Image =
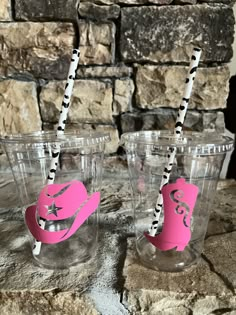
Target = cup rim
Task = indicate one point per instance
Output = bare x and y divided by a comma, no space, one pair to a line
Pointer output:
192,142
38,138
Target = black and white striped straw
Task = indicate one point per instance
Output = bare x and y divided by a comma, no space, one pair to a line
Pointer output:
196,54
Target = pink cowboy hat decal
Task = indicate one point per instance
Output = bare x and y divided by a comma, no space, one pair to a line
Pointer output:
60,202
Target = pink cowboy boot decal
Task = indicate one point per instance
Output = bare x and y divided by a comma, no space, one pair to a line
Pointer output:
179,200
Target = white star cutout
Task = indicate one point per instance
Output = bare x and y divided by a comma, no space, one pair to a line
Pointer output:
53,209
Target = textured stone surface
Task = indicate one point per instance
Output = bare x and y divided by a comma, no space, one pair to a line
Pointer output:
42,49
229,2
106,285
223,264
123,93
16,241
104,72
45,10
219,122
29,289
198,278
163,86
99,12
223,217
110,147
91,102
152,292
4,165
171,303
214,120
26,303
9,196
19,107
164,118
97,43
185,1
129,2
5,10
168,34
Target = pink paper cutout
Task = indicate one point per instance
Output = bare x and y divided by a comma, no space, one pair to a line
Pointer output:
59,202
141,184
178,200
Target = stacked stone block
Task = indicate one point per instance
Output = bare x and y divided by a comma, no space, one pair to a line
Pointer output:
134,58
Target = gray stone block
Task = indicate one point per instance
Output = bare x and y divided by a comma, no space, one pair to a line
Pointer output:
97,43
164,119
44,49
91,102
123,93
129,2
168,33
185,1
230,2
163,86
118,71
5,10
19,106
41,49
45,10
99,12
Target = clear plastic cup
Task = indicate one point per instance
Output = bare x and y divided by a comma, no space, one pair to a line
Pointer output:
62,217
187,198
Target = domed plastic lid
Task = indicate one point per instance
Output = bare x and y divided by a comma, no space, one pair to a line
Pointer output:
69,139
207,143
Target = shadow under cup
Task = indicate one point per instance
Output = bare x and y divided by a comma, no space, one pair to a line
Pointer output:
180,230
62,217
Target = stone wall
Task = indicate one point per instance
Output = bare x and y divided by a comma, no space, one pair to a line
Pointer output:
134,58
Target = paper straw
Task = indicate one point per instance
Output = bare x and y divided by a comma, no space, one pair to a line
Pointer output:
60,131
177,132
